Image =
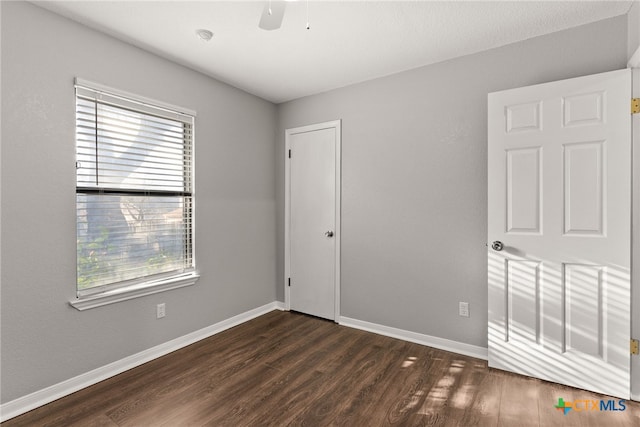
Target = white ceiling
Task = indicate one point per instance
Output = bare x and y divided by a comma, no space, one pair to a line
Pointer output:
349,41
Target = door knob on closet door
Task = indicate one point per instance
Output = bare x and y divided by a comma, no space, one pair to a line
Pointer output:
329,233
497,245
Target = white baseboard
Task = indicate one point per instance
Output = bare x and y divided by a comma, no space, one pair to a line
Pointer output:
428,340
42,397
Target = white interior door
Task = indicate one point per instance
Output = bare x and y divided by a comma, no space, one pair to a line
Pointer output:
313,220
559,190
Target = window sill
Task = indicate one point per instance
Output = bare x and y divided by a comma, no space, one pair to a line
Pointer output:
134,291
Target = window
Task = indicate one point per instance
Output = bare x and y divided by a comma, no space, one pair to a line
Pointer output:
134,196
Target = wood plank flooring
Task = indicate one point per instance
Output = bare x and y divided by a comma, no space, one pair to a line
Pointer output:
290,369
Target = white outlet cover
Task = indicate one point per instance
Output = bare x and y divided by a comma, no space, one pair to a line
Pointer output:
463,309
160,311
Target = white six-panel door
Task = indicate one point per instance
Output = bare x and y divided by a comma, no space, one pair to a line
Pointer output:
313,219
559,192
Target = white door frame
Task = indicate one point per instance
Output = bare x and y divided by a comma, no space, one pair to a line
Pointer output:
634,64
337,125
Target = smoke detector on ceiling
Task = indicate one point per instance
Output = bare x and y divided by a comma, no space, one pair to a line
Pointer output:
204,35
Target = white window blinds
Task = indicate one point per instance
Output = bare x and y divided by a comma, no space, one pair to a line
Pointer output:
134,192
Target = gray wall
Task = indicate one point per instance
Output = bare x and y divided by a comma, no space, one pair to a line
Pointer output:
633,28
414,204
44,340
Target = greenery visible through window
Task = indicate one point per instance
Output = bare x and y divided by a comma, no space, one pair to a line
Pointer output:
134,198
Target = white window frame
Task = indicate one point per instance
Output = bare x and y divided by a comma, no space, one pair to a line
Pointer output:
160,283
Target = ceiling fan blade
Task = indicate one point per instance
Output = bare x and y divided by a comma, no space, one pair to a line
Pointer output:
273,20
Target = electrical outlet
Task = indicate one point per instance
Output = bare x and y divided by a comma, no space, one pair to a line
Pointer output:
463,309
160,311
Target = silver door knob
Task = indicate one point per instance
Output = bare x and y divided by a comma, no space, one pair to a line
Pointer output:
497,245
329,233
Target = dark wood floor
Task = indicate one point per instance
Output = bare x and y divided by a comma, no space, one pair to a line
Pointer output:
291,369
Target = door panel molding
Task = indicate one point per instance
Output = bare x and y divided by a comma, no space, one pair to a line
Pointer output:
289,133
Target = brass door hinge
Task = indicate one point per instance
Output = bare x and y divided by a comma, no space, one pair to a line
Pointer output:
635,105
635,348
